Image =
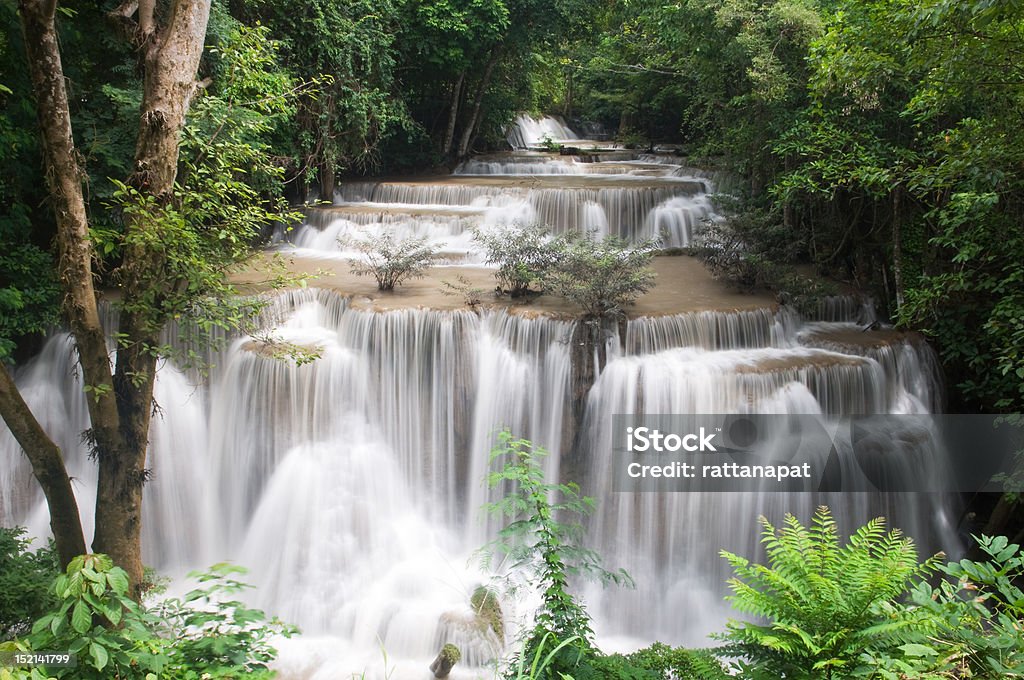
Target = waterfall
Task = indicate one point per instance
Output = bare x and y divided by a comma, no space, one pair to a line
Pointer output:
351,486
528,131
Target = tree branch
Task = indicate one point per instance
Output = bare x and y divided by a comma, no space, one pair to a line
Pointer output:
47,467
122,17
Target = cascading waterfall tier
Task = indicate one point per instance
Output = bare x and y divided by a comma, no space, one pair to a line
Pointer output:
364,469
528,131
636,198
351,486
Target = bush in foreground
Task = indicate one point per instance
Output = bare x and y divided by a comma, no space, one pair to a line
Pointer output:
825,604
206,635
25,578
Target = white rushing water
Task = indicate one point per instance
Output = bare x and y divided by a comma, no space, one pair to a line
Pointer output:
636,200
528,131
352,486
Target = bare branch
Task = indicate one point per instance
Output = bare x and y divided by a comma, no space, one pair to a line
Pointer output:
122,18
146,24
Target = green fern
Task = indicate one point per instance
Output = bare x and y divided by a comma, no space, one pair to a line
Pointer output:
823,603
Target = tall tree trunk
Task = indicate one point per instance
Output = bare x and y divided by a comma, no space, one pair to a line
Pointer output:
64,177
478,102
171,63
453,115
897,245
327,180
47,467
120,403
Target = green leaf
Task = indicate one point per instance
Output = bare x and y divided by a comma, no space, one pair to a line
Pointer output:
118,581
81,618
913,649
99,655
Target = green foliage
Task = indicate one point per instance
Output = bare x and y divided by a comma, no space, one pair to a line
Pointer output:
722,75
602,277
29,293
825,603
25,578
462,287
544,537
739,251
227,192
352,43
657,662
390,261
524,255
206,635
901,110
28,289
537,662
973,621
275,347
886,132
753,249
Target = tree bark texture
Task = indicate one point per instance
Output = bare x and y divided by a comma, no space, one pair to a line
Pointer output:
171,61
47,467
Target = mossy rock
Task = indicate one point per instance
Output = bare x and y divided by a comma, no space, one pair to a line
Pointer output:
451,653
488,611
446,658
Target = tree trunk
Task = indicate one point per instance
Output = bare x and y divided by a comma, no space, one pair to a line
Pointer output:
120,404
171,62
897,245
64,177
47,467
453,115
478,102
327,181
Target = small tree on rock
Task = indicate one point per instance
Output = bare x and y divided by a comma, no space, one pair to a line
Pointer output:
602,277
391,261
524,254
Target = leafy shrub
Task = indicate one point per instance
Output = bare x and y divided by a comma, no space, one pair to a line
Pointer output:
523,253
970,626
390,261
657,662
536,662
206,635
602,277
802,292
25,578
462,287
676,662
544,537
749,250
825,604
